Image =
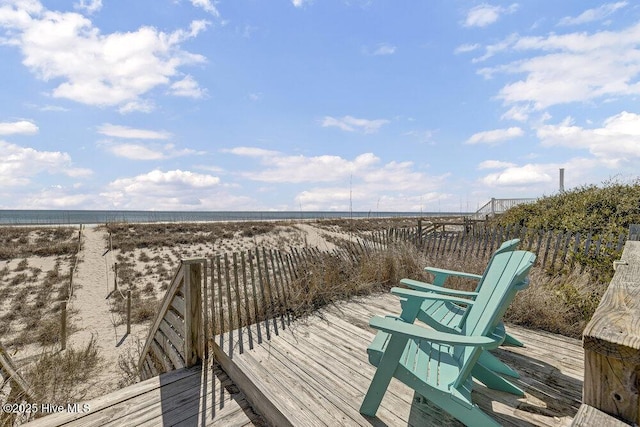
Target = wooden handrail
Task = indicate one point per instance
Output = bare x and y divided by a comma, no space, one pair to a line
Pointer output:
6,365
176,336
611,342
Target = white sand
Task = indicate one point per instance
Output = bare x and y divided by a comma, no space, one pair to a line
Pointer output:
93,285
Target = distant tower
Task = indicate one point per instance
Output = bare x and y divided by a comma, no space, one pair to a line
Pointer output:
562,180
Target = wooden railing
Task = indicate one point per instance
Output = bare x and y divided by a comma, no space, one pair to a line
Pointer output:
611,342
498,206
176,337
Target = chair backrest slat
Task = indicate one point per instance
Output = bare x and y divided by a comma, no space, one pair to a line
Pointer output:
498,287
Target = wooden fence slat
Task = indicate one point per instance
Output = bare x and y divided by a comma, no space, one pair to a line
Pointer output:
266,289
171,334
247,306
255,296
546,248
171,352
276,285
229,297
236,289
621,240
220,303
176,322
284,283
556,249
565,247
178,304
160,356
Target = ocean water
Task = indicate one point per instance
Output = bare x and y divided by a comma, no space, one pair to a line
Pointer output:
24,217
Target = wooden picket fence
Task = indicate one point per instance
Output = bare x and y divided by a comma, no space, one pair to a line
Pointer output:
222,296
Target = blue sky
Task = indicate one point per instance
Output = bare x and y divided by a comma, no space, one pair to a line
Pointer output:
367,105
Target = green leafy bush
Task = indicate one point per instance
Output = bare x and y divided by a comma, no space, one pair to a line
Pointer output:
603,210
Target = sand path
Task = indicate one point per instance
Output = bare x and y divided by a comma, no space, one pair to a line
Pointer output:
93,283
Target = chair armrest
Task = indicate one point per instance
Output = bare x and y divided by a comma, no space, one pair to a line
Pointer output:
410,293
393,326
426,287
440,275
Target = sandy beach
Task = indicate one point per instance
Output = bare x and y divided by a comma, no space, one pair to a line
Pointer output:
95,308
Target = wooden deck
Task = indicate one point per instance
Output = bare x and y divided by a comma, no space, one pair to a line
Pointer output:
315,372
185,397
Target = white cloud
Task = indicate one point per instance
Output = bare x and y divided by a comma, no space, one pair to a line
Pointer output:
335,179
573,67
207,5
596,14
495,164
295,169
21,127
126,132
486,14
300,3
187,87
464,48
90,6
89,67
138,151
518,176
172,190
251,152
383,49
352,124
615,142
495,136
519,113
18,164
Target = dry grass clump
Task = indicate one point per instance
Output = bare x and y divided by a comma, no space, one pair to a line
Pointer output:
127,237
23,242
143,309
128,364
562,304
61,377
328,278
31,307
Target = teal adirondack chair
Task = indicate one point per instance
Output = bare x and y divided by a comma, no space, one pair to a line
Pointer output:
449,314
439,365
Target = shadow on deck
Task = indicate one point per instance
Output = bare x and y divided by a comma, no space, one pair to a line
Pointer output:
315,372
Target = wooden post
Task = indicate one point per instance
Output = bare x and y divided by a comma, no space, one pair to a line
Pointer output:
115,277
128,311
193,346
63,325
71,282
612,343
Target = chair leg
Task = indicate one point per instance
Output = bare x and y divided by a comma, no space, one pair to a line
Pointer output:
496,365
469,414
494,381
512,342
382,377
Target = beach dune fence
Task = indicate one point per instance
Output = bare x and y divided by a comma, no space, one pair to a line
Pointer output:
242,298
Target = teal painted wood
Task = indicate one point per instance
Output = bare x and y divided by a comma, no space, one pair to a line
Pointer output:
441,275
438,365
448,315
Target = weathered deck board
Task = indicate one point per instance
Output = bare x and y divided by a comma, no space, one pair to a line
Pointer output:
184,397
316,372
